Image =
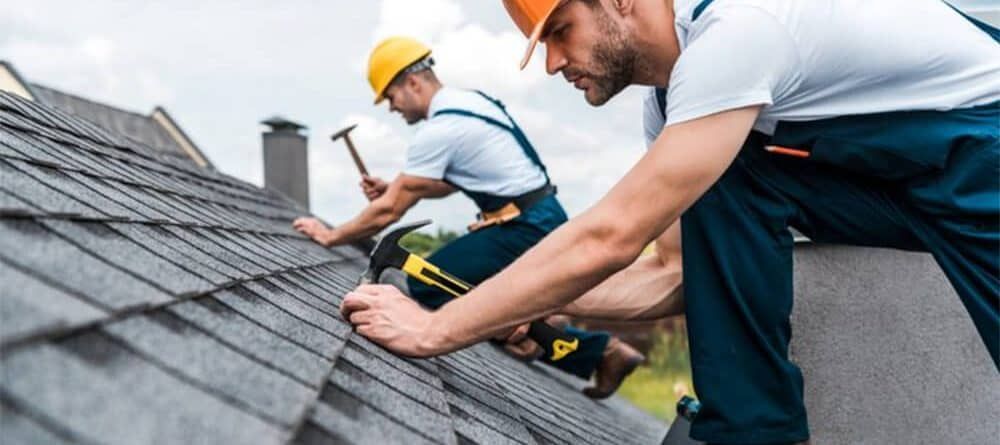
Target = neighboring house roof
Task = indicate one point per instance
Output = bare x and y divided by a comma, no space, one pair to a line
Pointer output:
157,130
145,300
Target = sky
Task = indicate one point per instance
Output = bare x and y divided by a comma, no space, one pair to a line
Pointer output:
221,67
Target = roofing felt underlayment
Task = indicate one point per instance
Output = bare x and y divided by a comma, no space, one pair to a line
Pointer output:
145,300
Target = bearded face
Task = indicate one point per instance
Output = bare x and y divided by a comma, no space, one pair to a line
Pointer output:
612,63
594,52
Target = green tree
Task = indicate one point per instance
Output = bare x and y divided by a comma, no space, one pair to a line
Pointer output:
423,244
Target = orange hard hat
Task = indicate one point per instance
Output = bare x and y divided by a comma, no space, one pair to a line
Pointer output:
530,16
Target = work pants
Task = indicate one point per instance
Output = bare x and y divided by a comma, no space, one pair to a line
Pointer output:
921,181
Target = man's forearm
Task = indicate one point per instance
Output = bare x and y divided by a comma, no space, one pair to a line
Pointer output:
367,224
649,289
646,290
571,262
584,252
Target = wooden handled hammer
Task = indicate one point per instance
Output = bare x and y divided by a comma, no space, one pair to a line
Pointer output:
346,134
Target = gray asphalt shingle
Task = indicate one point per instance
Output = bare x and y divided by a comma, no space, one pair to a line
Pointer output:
62,182
145,300
46,254
13,146
18,183
105,394
326,341
215,250
304,310
137,210
254,340
432,424
108,244
29,305
153,243
17,429
342,419
176,344
11,205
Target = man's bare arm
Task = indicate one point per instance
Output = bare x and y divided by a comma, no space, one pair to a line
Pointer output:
681,166
402,194
651,288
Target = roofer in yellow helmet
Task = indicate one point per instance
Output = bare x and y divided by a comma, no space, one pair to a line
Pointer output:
470,144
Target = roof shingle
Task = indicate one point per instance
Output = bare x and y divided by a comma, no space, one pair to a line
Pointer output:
148,301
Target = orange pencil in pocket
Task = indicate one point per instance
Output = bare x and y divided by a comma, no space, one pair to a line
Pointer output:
787,151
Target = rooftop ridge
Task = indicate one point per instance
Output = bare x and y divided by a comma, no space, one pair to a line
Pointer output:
88,100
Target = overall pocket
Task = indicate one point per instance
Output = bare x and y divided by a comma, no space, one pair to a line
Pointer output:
877,160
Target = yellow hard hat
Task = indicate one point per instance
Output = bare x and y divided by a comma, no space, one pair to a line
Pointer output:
390,57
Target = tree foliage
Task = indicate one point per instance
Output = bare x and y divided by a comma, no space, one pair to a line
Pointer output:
423,244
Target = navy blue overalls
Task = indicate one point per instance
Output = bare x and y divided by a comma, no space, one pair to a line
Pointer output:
479,255
915,180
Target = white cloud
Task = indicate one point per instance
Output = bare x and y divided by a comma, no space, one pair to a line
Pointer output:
425,20
221,67
474,57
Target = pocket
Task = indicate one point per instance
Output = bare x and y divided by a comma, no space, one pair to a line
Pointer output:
890,163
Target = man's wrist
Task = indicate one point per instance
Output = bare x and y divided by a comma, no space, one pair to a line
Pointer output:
329,238
438,337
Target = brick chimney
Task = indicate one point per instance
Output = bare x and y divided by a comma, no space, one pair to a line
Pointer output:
286,159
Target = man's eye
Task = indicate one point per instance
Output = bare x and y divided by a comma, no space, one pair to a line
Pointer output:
560,32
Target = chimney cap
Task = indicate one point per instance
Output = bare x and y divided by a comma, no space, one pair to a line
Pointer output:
280,123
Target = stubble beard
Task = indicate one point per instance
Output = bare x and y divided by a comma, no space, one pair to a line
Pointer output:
616,59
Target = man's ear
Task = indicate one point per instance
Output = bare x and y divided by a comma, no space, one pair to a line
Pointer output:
413,83
624,7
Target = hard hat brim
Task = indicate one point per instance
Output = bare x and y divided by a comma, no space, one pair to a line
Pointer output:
536,34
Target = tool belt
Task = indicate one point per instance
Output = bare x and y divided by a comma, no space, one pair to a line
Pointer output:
512,209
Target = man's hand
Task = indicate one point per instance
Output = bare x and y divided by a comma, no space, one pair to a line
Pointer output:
314,229
373,187
385,316
519,345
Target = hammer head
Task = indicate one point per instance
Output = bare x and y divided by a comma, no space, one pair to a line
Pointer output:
388,253
342,133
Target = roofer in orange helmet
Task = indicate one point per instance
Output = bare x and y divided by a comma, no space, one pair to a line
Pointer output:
855,122
470,144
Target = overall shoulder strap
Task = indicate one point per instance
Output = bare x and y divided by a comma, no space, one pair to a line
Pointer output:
992,31
700,9
467,113
661,93
512,128
661,102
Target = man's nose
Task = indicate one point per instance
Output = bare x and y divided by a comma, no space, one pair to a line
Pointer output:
555,60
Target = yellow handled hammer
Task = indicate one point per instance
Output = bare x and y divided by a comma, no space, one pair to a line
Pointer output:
389,254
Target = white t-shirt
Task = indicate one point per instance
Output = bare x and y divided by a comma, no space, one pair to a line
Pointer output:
469,152
807,60
652,117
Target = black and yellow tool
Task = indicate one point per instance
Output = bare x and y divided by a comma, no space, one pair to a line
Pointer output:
389,254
